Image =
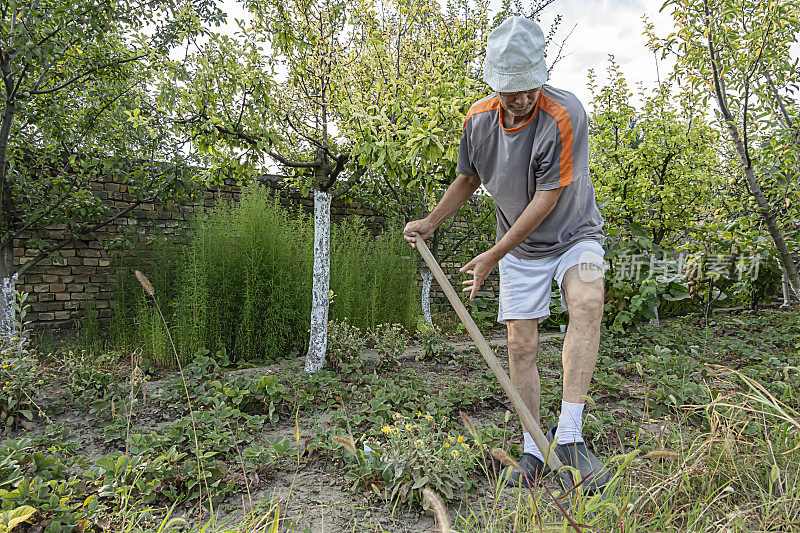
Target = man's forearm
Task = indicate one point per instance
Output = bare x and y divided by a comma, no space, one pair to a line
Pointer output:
537,210
456,195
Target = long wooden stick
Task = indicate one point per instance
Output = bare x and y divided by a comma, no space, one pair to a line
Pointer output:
525,416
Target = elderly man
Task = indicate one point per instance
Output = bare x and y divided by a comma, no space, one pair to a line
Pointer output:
528,145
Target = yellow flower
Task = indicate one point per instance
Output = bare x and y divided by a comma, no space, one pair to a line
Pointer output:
409,427
428,417
455,453
446,444
460,438
386,429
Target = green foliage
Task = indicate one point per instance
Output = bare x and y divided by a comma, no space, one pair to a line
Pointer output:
241,284
43,482
411,139
738,53
89,376
390,341
373,278
431,341
484,309
651,166
417,452
651,392
78,106
19,381
244,284
734,264
19,374
345,344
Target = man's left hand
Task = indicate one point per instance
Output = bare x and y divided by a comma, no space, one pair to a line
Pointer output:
479,267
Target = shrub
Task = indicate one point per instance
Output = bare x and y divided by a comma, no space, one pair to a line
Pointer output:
244,283
374,279
417,452
19,376
431,341
345,344
390,341
89,375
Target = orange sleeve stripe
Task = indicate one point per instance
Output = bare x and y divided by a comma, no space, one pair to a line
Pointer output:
564,123
491,104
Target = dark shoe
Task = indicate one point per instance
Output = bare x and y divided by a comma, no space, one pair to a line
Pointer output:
581,458
529,469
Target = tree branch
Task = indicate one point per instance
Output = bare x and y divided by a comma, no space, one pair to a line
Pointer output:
249,139
778,99
88,73
119,214
345,186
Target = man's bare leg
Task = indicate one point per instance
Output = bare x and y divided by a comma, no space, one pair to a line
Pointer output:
523,341
523,344
584,293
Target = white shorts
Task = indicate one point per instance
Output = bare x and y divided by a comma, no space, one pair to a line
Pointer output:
525,283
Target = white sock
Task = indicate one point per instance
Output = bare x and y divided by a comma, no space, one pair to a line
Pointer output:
569,423
529,446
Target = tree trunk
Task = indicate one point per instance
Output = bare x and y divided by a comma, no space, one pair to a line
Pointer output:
7,285
427,278
7,278
5,189
787,291
654,322
785,256
320,300
764,207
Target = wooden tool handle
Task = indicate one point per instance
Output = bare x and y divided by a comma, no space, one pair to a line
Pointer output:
525,416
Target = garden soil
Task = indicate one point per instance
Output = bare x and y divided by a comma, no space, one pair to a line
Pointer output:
312,491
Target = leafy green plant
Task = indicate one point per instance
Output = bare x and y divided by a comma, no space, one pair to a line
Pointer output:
90,375
484,309
345,343
634,288
417,452
243,286
373,278
390,341
431,341
19,375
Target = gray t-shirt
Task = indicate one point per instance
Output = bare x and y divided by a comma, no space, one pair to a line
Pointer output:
551,150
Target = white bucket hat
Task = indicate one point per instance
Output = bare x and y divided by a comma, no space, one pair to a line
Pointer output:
515,56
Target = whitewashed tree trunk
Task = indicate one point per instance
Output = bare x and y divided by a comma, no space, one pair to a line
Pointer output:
787,290
8,321
320,300
427,278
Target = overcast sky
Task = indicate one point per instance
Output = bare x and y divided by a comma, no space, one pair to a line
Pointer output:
601,28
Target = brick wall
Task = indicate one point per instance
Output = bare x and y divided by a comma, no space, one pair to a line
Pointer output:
61,287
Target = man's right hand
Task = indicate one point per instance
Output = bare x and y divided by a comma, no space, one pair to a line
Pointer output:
418,229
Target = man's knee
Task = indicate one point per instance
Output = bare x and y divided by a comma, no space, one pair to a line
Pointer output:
588,303
523,349
523,341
